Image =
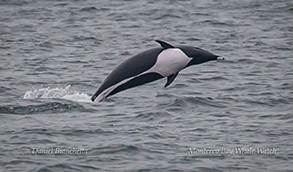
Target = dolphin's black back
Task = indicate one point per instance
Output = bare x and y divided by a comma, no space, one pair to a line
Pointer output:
129,68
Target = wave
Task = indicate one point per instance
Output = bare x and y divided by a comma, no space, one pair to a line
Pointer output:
53,107
66,93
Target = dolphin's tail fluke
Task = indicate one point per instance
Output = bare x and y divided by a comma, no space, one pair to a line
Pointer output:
93,98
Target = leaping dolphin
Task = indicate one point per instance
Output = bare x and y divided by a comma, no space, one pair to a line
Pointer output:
150,65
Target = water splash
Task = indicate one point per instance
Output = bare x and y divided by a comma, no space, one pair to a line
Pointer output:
57,92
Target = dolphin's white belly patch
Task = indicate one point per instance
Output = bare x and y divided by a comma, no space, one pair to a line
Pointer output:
170,61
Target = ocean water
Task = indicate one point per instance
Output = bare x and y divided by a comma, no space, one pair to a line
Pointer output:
232,115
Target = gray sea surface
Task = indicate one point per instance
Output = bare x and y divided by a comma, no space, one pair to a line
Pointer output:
232,115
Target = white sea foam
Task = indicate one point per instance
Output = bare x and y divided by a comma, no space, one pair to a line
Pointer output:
57,92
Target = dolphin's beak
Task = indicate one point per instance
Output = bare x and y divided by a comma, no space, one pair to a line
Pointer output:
220,58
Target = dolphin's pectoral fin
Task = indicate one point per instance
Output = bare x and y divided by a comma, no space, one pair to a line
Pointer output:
165,45
140,80
170,79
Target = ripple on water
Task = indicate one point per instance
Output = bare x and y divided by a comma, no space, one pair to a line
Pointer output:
153,116
287,116
268,101
53,107
89,9
115,148
199,101
60,167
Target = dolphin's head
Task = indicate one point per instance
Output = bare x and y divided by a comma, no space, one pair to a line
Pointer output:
198,55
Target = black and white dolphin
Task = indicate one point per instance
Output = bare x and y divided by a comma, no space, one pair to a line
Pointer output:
150,65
